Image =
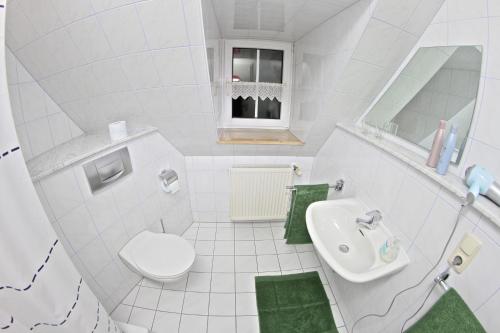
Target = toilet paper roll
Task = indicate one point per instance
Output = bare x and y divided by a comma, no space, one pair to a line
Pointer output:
118,130
174,187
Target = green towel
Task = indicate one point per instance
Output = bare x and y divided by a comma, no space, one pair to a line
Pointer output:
295,303
450,314
302,197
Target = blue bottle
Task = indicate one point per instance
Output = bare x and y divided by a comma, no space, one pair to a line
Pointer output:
448,150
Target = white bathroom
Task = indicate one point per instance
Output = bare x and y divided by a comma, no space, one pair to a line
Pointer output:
246,166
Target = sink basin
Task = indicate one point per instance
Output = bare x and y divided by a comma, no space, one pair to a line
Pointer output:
349,249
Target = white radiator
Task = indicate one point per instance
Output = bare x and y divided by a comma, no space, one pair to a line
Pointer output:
259,193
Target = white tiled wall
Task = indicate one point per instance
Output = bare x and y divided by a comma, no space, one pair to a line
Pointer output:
417,209
421,214
145,61
40,122
342,64
94,227
139,60
209,181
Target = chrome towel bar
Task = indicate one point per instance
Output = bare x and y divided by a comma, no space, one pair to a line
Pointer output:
339,186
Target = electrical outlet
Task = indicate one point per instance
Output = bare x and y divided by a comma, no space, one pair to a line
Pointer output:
465,252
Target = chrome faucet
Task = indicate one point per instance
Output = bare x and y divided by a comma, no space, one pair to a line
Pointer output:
371,220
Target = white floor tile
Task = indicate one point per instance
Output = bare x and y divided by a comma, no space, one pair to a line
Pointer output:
247,324
206,234
245,264
246,304
339,321
193,324
204,248
224,234
196,303
223,283
289,261
242,248
221,324
198,282
142,317
223,264
262,233
329,294
202,264
283,247
261,225
166,322
222,304
224,248
342,329
265,247
243,234
245,282
278,232
171,301
147,298
309,259
304,248
268,263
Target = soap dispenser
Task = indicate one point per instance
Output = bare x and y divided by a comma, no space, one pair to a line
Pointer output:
390,249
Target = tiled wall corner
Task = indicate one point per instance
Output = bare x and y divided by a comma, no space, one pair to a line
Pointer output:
40,123
94,227
209,181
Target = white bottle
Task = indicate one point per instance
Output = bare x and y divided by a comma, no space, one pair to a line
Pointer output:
389,250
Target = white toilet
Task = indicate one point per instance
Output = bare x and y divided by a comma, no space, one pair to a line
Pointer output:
159,257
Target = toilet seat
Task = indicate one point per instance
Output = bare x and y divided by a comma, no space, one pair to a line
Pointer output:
160,257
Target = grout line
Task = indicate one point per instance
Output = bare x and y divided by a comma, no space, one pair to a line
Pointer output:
234,277
211,274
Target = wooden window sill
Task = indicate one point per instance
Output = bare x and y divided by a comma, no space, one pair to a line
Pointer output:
251,136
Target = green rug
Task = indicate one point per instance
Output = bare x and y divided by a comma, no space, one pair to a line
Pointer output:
304,195
449,314
294,303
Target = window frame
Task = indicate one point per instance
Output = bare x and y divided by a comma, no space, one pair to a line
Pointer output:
284,122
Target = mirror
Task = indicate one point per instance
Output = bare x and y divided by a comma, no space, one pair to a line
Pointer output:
438,83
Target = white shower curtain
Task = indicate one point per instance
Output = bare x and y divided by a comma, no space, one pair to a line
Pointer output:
40,289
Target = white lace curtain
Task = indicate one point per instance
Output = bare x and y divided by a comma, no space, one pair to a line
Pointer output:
256,90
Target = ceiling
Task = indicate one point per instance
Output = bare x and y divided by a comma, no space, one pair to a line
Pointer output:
284,20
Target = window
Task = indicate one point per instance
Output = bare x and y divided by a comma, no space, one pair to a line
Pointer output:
258,84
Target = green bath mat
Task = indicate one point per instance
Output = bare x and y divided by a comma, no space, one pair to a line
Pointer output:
302,197
294,303
449,314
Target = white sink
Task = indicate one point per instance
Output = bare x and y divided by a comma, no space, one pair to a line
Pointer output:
332,226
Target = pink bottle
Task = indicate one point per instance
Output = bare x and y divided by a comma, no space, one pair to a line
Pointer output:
437,145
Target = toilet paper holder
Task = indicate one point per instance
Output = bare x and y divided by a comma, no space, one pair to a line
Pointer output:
167,177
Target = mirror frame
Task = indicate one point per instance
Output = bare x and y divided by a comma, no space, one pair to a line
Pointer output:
417,149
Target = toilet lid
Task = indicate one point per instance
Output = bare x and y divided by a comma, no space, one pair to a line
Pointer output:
163,255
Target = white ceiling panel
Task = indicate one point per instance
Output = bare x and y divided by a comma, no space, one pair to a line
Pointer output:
284,20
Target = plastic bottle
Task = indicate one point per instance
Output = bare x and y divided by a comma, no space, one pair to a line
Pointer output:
448,150
390,249
437,145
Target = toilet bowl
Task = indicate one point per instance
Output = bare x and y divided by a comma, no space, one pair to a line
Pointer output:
159,257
